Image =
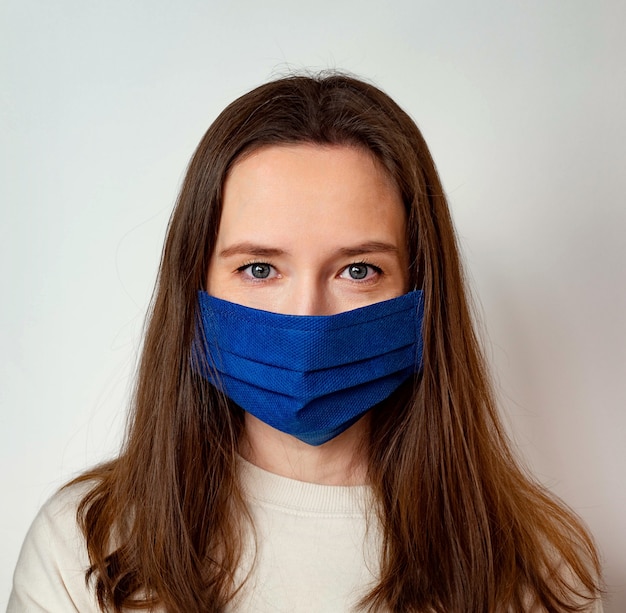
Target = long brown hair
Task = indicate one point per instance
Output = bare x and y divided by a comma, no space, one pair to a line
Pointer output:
464,529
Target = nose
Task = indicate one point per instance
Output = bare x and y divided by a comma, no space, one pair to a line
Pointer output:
309,297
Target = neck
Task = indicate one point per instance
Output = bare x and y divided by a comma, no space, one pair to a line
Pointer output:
340,461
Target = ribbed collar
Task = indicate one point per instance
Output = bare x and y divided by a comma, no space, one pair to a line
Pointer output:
299,497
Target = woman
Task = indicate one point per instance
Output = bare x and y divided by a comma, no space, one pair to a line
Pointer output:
313,428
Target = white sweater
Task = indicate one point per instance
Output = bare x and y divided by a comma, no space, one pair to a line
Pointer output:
314,553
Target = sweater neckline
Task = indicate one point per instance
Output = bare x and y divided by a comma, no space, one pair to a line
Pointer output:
291,495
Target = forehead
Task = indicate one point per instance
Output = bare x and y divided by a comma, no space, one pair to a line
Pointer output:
304,179
339,156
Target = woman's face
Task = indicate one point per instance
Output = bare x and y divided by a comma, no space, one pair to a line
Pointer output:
309,230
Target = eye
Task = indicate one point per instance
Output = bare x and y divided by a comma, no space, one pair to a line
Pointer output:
360,271
258,270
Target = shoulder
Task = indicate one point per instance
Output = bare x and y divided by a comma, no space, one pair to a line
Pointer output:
50,572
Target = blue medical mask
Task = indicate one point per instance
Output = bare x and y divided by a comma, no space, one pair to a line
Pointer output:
310,376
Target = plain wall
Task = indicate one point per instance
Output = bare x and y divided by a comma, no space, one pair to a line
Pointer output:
522,104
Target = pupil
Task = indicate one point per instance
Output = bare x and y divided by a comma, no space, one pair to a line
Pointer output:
260,271
358,271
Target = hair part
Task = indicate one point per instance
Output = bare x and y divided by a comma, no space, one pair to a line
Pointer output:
464,529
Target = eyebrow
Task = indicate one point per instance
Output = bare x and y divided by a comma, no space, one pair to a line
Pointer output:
369,247
249,248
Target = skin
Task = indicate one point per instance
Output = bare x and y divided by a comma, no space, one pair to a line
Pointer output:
309,230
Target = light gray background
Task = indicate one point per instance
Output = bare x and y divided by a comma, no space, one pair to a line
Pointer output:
522,104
